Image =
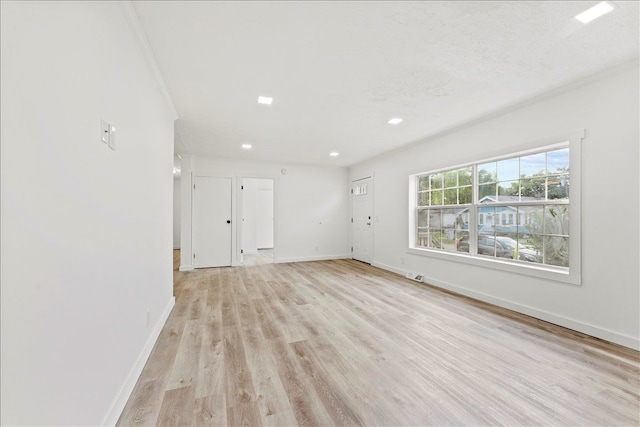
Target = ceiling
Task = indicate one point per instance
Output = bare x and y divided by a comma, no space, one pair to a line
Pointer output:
338,71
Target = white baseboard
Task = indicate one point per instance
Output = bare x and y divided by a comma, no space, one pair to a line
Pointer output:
595,331
186,268
310,258
125,392
389,268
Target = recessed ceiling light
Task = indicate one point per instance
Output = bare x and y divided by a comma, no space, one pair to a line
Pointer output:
334,154
265,100
395,121
246,146
594,12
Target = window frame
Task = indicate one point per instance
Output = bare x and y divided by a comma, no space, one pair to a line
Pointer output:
569,275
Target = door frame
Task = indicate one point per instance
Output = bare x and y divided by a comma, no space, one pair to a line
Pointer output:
373,216
238,256
233,210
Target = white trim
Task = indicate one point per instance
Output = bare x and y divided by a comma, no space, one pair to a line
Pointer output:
389,268
138,34
312,258
565,322
113,414
254,252
186,268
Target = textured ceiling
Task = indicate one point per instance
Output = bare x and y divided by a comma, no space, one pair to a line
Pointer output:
338,71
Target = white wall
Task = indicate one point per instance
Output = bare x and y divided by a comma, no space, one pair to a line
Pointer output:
86,231
607,304
257,214
311,207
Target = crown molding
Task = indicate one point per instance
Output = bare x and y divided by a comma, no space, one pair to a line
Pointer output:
139,35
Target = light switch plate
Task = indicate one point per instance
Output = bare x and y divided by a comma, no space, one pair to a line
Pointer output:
112,137
104,132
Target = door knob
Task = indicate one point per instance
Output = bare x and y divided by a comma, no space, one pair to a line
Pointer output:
228,221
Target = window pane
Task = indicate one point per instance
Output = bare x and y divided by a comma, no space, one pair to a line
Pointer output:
532,165
529,220
530,247
558,161
451,196
436,197
488,216
423,183
556,220
506,246
422,238
486,245
556,251
448,240
462,241
487,190
506,219
434,239
464,176
436,181
487,173
454,218
508,191
435,220
508,169
464,195
451,179
558,187
423,218
423,199
532,189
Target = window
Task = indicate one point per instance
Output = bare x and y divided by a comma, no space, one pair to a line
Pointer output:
513,211
359,189
440,227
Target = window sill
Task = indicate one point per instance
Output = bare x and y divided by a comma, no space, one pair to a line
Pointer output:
533,270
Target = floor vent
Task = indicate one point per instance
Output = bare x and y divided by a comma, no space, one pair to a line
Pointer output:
414,276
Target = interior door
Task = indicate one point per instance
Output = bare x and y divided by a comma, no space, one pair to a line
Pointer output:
362,220
211,222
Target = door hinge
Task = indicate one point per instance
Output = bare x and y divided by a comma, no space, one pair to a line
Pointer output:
194,186
242,187
352,191
351,248
241,251
351,219
194,255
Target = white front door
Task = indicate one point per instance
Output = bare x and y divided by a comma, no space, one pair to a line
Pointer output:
362,220
211,222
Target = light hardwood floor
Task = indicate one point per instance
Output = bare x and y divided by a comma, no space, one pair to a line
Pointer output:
343,343
264,256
